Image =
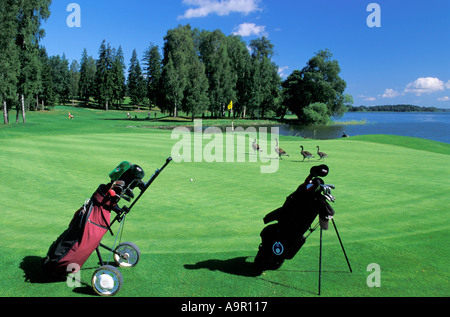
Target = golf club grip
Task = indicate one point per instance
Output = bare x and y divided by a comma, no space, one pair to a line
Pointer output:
150,181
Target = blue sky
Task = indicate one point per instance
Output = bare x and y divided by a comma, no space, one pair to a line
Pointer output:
404,61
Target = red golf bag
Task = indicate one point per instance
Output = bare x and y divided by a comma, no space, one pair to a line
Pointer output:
87,228
90,223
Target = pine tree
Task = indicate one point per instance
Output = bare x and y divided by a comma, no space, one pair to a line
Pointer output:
74,76
103,78
87,77
48,97
153,71
118,76
29,17
136,82
9,61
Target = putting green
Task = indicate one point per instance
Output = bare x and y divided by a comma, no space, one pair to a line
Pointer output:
199,237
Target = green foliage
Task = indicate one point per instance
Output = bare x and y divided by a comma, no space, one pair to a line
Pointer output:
87,77
118,76
318,81
315,113
136,82
103,78
153,70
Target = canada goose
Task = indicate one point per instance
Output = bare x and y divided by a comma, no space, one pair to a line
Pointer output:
256,146
344,135
321,154
280,151
306,154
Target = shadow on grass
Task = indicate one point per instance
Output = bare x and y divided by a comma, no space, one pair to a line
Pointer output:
241,267
33,273
236,266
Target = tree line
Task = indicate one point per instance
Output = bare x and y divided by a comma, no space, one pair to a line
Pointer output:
394,108
196,71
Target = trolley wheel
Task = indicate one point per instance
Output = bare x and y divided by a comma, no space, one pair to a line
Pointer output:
127,254
107,280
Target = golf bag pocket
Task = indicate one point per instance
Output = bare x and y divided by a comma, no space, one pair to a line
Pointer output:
276,247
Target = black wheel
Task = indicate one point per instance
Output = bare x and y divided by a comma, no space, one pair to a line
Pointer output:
107,280
127,254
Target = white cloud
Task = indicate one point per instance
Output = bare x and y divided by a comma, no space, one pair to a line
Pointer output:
367,98
446,98
281,71
203,8
447,84
247,29
425,85
390,93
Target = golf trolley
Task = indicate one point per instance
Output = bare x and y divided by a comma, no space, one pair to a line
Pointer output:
89,224
282,240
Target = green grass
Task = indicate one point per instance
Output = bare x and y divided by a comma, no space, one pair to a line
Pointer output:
199,238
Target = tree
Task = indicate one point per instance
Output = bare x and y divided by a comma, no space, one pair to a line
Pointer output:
196,93
9,61
178,47
136,81
118,76
74,77
222,84
29,16
318,81
60,76
47,93
240,62
87,77
316,113
103,78
153,71
265,81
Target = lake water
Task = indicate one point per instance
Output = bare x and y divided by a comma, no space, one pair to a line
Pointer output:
427,125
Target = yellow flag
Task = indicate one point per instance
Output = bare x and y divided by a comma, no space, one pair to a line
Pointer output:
230,106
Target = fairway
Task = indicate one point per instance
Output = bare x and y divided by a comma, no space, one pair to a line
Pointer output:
198,238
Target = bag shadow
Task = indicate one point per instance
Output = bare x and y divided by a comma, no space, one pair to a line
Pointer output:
235,266
33,272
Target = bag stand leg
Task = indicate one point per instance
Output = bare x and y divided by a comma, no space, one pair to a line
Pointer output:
342,246
320,254
320,260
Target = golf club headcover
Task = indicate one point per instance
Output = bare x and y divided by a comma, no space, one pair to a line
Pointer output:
319,171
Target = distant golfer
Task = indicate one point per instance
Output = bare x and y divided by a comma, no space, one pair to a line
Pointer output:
70,116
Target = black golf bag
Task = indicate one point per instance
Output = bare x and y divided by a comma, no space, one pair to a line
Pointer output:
282,240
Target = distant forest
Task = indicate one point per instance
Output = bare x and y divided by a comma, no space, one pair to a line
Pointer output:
396,108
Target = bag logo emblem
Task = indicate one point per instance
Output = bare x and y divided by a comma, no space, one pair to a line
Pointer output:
277,248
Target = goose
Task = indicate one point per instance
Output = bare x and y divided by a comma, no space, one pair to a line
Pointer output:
344,135
256,146
321,154
280,151
306,154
